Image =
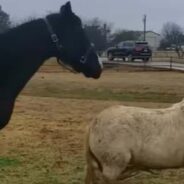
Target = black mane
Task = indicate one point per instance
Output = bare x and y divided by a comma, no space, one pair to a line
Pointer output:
27,37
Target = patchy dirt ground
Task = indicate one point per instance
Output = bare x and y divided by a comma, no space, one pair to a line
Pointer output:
45,140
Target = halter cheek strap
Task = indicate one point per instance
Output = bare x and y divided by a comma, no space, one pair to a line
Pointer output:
53,36
58,45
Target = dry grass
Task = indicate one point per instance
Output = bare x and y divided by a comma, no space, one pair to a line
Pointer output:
44,142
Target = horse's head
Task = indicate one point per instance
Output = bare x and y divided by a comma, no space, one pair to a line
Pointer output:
75,49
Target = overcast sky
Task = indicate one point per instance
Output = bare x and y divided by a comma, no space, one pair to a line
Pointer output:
123,14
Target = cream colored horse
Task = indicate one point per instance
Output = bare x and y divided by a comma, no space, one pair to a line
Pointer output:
124,139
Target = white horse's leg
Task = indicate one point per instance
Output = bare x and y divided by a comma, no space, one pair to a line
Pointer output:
93,170
117,164
94,174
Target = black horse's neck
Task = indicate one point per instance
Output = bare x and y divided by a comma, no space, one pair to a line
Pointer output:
23,51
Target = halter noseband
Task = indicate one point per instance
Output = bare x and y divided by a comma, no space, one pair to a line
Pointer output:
60,47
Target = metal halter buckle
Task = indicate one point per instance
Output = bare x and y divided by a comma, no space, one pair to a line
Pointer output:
83,60
54,38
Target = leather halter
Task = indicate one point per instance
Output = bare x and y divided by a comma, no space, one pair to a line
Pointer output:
60,47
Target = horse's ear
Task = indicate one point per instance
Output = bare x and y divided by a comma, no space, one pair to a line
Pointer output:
66,9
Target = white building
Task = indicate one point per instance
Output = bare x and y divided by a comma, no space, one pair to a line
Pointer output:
153,39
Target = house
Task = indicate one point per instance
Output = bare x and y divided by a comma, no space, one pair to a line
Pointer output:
152,38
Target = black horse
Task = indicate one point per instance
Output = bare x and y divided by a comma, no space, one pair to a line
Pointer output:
23,50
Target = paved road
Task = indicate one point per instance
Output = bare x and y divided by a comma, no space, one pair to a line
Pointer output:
157,64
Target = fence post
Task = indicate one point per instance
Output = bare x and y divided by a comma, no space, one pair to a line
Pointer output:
171,62
144,61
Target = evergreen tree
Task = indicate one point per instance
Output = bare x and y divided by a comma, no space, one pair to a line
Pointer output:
4,21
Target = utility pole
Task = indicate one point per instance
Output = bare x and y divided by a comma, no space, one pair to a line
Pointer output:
105,33
144,22
106,30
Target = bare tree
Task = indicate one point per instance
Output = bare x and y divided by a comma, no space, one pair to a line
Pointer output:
123,35
98,32
172,34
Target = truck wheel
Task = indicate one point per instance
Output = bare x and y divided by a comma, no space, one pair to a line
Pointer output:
130,57
146,60
110,56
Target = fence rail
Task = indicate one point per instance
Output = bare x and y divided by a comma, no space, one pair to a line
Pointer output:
169,63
